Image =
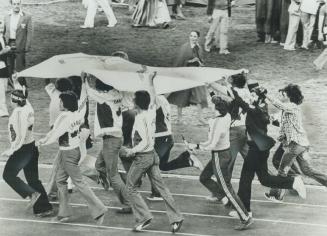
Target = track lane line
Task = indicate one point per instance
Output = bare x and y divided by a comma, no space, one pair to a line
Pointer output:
193,214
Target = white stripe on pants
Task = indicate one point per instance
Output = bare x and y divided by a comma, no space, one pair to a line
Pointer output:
218,30
293,26
92,10
308,21
3,105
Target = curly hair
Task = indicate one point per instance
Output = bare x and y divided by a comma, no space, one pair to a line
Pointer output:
221,105
294,93
69,100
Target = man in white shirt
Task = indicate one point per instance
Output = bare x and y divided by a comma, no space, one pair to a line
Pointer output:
18,34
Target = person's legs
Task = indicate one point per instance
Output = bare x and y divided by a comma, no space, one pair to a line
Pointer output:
52,185
293,27
205,179
20,62
219,160
90,14
32,177
268,20
224,26
70,159
284,20
312,19
212,32
308,170
156,180
3,105
112,21
140,165
305,20
14,165
277,157
111,147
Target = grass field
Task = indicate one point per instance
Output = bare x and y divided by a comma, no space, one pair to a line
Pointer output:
57,31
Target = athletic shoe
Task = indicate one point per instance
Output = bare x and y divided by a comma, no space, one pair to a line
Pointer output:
33,199
234,214
86,27
175,227
61,219
273,198
111,25
142,225
45,214
207,48
224,201
282,44
289,49
99,220
298,185
244,225
154,198
124,210
212,198
196,162
274,41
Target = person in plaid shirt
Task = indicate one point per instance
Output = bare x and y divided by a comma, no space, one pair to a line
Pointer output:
293,138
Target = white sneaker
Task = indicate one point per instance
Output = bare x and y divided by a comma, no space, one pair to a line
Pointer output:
153,198
211,198
289,49
224,201
207,48
234,214
196,162
273,198
299,186
86,27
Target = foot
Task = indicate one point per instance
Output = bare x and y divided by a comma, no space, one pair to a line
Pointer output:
273,198
165,25
111,25
45,213
304,47
289,49
99,220
234,214
244,224
142,225
267,38
224,52
61,219
175,227
180,17
86,27
196,162
102,179
282,44
125,210
154,198
33,199
298,185
212,198
274,41
207,48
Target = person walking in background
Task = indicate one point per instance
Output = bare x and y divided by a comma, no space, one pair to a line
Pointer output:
177,9
219,13
293,26
190,54
66,131
23,155
264,11
309,10
92,7
18,33
4,72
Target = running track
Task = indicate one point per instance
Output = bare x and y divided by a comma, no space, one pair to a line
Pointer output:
295,217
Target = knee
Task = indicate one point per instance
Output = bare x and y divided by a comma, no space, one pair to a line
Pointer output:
7,176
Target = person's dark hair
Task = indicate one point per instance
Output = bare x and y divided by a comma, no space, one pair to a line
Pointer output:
77,85
197,32
220,105
120,54
142,99
99,85
18,97
294,93
69,100
63,85
239,80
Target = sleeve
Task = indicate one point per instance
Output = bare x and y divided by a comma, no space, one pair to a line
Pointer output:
102,97
145,134
127,100
20,127
282,106
50,89
29,34
214,136
59,128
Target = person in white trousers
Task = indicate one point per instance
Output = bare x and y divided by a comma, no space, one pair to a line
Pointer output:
92,6
293,26
322,26
309,10
4,74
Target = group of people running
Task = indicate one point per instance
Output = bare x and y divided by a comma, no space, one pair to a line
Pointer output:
136,128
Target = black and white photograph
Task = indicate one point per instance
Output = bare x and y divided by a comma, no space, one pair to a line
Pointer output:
163,117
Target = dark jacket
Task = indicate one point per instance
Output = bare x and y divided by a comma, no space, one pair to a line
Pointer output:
256,122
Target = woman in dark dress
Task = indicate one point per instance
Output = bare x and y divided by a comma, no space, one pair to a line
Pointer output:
4,73
190,54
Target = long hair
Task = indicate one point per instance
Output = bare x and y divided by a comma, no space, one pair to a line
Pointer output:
69,100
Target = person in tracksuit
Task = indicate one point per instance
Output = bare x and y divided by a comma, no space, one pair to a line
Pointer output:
219,144
66,130
145,161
